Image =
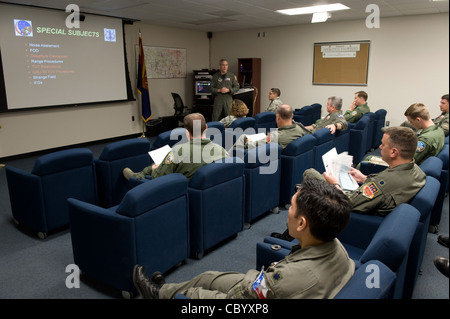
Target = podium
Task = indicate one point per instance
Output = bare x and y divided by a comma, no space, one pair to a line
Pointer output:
246,96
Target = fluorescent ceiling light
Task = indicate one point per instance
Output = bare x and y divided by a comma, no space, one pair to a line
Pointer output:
320,17
314,9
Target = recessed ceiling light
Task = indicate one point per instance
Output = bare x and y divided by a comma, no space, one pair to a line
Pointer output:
320,17
314,9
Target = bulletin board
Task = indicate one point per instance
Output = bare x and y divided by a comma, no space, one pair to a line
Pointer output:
341,63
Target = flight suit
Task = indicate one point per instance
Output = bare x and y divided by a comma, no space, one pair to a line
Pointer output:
442,121
226,121
384,191
332,118
222,101
186,158
274,105
357,113
312,272
430,143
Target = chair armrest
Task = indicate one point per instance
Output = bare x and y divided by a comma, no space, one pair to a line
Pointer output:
26,198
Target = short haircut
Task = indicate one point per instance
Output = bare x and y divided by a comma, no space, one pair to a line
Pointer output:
336,101
222,60
404,139
418,110
362,94
444,97
189,120
238,108
326,208
285,111
276,91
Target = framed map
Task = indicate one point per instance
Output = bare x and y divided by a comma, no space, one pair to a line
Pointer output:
164,63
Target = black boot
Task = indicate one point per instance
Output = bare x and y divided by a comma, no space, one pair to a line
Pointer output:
441,264
443,240
147,288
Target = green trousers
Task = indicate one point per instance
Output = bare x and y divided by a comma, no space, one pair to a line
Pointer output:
208,285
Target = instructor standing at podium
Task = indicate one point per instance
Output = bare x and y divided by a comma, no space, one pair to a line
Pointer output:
223,85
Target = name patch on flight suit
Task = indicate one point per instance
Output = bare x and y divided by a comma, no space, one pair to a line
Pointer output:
370,190
420,146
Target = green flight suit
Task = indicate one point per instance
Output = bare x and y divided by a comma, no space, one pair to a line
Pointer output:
274,105
442,121
384,191
332,118
313,272
430,143
222,101
186,158
357,113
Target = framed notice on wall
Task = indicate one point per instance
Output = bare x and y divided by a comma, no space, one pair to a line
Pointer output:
341,63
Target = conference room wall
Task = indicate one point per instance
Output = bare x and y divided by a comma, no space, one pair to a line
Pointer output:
408,61
35,130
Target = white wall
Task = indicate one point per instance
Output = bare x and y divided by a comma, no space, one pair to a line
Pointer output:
35,130
408,61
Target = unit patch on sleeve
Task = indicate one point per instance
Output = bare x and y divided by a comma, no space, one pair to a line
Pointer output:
420,146
370,190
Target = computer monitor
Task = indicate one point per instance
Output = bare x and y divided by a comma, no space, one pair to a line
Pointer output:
203,88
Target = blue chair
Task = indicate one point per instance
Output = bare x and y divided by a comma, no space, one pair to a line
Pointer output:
215,132
149,227
432,166
379,120
262,180
39,198
265,121
423,202
357,287
444,180
172,137
359,139
316,112
297,157
308,115
112,186
300,114
366,237
216,204
342,140
236,129
324,143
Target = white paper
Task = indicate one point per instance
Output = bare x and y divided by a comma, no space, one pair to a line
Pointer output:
256,137
339,165
159,154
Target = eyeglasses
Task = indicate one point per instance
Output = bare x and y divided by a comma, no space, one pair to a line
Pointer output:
297,187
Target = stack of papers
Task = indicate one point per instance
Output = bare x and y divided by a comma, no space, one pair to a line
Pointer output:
339,165
159,154
256,137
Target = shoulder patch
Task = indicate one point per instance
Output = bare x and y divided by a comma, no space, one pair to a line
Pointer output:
369,190
420,146
340,115
169,158
354,113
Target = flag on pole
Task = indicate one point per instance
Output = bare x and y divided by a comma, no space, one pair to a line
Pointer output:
142,84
